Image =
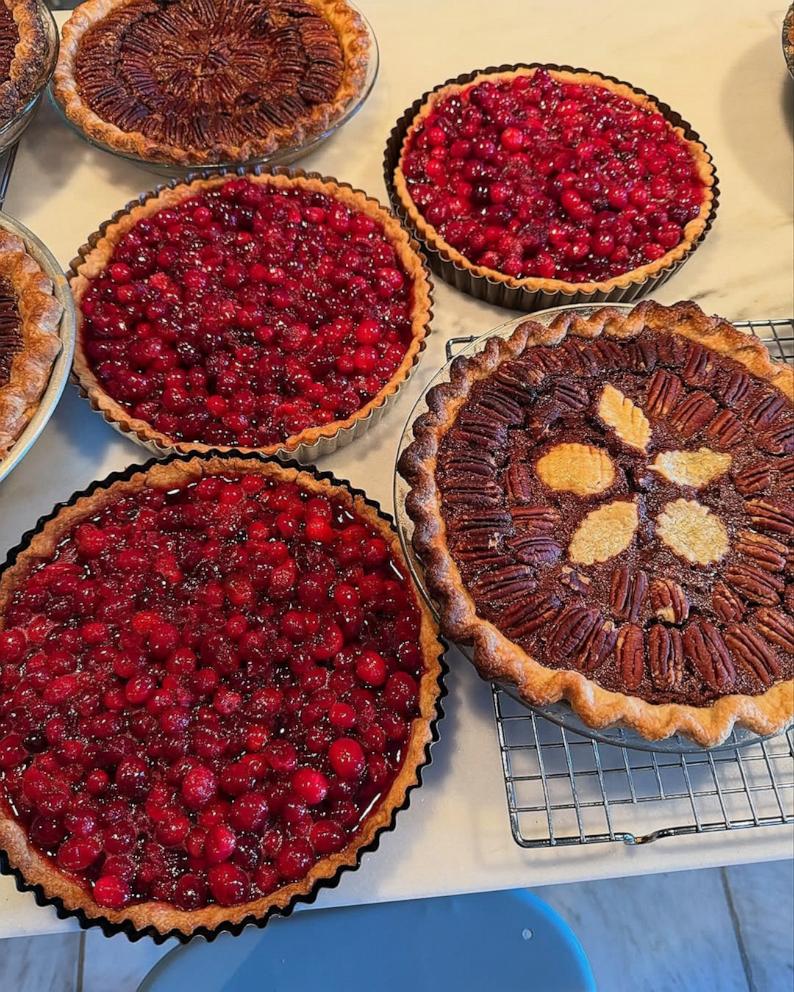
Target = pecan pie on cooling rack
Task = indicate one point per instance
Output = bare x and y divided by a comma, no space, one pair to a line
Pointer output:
604,509
201,81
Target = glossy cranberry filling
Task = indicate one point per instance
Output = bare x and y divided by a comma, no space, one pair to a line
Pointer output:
205,691
534,177
248,313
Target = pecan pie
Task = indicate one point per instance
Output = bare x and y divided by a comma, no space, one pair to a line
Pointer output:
29,340
22,54
604,509
265,312
553,180
217,687
195,81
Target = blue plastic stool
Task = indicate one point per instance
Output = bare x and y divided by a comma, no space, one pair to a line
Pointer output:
496,941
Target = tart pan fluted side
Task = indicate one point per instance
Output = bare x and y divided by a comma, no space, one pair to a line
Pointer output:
134,933
325,440
499,292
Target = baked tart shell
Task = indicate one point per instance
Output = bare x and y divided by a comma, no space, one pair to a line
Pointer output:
534,293
313,442
35,873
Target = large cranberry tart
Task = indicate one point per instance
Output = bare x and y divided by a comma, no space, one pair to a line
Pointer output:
604,509
194,81
553,181
29,340
23,49
217,686
264,312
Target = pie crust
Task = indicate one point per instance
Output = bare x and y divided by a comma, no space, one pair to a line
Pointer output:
353,39
37,870
40,315
692,230
96,256
28,58
496,655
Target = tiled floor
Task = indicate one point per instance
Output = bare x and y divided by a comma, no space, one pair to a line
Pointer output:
729,930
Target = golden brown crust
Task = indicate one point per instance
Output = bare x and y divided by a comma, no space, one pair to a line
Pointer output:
354,40
40,314
28,61
692,231
497,657
97,257
39,870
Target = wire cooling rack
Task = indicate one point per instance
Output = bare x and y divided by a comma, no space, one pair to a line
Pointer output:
7,159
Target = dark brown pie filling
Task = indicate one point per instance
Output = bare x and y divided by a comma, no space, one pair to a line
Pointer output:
194,72
9,39
665,572
10,330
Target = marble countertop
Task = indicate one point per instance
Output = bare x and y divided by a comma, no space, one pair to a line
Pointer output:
717,62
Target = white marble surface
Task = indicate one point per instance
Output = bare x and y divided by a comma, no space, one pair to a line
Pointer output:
719,63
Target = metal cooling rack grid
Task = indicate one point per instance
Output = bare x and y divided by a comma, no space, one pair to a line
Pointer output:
566,788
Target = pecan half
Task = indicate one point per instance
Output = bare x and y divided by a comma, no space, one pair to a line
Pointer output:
574,580
570,397
495,403
491,519
472,492
752,479
627,592
755,584
631,655
666,656
693,413
520,480
669,601
572,629
786,468
778,440
664,391
706,650
505,582
776,627
736,389
698,370
535,550
752,654
598,648
641,355
766,552
764,408
726,603
535,520
523,618
479,428
773,518
725,430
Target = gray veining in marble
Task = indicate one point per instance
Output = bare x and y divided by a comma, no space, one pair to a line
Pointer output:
40,964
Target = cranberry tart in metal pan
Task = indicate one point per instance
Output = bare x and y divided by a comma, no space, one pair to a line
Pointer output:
194,82
603,508
217,688
278,311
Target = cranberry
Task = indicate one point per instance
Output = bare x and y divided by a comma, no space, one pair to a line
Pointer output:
310,785
346,758
198,787
228,884
294,859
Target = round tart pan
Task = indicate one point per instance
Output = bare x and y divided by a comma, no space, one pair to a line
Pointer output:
305,453
560,713
109,928
498,292
282,156
60,369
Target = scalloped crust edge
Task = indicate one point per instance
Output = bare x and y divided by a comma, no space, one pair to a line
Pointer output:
41,872
97,253
497,657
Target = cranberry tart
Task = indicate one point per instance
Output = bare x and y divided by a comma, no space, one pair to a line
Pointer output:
217,687
30,317
277,312
200,81
540,184
604,510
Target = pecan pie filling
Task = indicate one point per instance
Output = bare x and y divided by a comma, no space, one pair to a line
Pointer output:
625,509
197,72
9,39
10,330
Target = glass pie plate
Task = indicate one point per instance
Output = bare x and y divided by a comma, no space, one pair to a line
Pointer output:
559,713
12,130
63,363
282,156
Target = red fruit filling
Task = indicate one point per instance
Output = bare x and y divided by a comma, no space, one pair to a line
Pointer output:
198,700
248,313
536,177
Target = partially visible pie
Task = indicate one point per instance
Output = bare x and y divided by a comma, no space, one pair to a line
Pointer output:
217,687
605,509
194,81
22,54
29,340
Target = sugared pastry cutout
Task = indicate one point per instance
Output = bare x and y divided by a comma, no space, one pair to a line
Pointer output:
604,533
580,469
693,532
695,469
624,417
